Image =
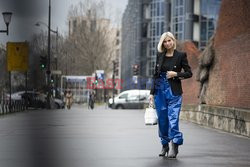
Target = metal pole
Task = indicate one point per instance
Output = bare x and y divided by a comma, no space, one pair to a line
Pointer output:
7,31
62,90
66,63
48,61
56,58
113,80
96,95
26,87
10,92
104,91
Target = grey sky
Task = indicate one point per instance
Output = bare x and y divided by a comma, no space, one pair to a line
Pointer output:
27,12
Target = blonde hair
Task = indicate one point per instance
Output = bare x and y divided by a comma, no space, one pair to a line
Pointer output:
160,46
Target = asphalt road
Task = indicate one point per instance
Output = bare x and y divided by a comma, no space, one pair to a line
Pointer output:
109,138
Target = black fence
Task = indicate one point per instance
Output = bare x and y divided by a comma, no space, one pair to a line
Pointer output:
20,105
14,106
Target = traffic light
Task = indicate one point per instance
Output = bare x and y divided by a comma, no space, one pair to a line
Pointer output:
43,62
136,69
96,79
52,79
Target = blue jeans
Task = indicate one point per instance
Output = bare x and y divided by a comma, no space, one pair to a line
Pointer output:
168,107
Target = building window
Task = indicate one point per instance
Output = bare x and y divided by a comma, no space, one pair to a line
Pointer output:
156,29
74,25
178,19
209,16
117,42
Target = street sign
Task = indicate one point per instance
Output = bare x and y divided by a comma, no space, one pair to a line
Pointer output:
100,74
135,79
17,56
56,72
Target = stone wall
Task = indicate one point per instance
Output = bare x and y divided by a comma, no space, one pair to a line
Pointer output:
231,120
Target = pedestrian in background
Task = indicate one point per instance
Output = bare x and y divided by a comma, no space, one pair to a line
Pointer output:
92,100
166,92
69,99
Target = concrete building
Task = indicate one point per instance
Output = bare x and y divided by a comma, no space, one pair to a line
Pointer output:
110,35
135,42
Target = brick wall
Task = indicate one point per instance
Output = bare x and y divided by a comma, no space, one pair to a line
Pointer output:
229,80
190,86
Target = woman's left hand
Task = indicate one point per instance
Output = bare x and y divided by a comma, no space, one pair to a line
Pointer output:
171,74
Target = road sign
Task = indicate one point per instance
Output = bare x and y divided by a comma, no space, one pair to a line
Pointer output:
56,72
135,79
100,74
17,56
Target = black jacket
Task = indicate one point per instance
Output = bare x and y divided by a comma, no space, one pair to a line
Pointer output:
181,62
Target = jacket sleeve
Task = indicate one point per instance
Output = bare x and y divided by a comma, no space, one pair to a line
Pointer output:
152,91
187,73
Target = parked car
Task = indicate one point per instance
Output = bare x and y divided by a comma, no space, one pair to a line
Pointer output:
36,99
59,103
56,102
130,99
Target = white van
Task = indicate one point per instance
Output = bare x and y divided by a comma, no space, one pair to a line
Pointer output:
130,99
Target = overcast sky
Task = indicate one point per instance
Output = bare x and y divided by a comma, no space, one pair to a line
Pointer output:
27,12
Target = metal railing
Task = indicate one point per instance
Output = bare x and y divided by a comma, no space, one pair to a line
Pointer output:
14,106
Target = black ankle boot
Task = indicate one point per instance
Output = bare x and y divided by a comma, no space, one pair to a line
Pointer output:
174,151
164,150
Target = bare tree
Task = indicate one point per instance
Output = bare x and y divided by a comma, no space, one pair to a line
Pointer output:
92,39
3,69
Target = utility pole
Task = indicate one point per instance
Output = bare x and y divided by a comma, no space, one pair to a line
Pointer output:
56,60
113,79
48,72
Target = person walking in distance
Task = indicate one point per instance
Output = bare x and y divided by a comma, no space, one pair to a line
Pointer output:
69,99
92,100
166,92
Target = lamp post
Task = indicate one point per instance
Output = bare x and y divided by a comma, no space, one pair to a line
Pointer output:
7,19
42,23
48,72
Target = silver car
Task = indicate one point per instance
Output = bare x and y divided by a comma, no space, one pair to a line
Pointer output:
130,99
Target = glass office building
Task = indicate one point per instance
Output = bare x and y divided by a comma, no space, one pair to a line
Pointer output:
156,28
145,20
178,18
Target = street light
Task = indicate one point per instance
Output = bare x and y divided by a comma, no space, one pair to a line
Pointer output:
48,72
7,19
42,23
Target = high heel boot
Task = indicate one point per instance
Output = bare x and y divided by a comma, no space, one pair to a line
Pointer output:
174,150
164,150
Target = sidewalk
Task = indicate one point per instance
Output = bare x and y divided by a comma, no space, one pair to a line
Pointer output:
109,138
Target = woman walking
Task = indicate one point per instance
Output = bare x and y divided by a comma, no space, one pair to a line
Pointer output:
166,91
69,99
